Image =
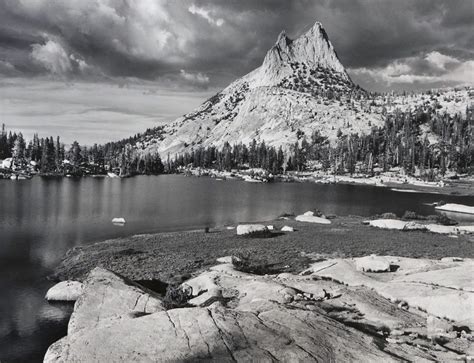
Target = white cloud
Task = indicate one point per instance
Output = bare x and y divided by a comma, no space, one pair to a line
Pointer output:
433,67
198,78
52,56
206,14
55,59
7,68
440,60
139,28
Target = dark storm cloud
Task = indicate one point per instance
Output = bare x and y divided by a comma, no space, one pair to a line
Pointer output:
211,42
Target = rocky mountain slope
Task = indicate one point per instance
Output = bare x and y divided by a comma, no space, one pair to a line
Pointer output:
301,87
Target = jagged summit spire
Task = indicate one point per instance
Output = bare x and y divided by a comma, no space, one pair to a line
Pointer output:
318,30
312,48
282,40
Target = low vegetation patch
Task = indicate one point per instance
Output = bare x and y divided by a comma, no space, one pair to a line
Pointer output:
243,262
410,215
317,213
388,215
260,234
176,297
445,220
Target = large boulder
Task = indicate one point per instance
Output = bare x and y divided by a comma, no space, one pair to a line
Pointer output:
456,208
413,226
65,291
248,229
312,219
388,224
108,296
373,263
203,289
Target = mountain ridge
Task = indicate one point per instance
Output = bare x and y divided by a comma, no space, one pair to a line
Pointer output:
300,88
287,93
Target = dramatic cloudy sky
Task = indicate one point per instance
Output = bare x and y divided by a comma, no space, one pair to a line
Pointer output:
77,68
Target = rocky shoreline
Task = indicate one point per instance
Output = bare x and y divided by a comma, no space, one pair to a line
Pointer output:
337,310
394,180
311,282
172,256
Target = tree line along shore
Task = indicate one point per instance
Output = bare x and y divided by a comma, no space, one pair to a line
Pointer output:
419,143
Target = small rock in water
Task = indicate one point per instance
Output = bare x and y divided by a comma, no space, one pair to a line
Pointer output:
118,220
65,291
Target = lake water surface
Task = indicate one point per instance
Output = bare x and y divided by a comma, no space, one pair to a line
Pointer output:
40,219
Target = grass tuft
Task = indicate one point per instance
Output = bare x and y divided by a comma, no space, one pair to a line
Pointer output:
176,297
243,262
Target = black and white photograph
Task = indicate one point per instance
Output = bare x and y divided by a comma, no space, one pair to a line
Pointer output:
236,181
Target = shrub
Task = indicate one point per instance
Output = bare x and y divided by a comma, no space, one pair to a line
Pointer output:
388,216
259,234
445,220
244,263
410,215
176,297
317,213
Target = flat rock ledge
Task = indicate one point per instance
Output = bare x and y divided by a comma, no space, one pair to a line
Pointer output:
397,224
239,317
442,288
309,218
65,291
